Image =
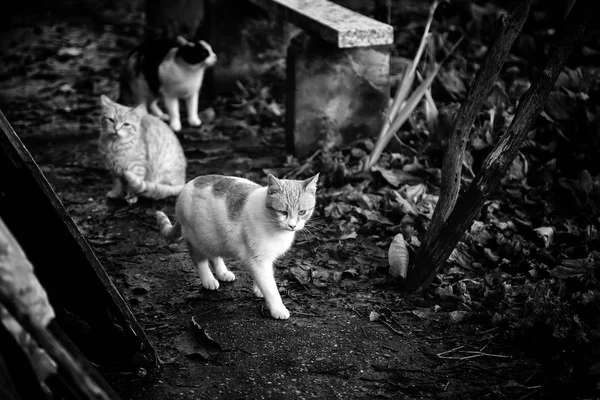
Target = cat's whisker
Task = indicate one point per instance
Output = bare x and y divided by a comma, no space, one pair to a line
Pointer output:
307,233
310,225
316,221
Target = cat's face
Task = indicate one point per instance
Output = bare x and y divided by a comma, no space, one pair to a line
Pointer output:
196,53
290,203
119,122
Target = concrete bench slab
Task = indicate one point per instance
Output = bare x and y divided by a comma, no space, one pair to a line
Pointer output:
333,23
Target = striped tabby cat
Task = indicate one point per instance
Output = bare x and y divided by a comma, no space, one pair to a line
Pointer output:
167,69
142,153
228,217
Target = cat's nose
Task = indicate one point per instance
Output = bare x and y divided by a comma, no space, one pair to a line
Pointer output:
292,227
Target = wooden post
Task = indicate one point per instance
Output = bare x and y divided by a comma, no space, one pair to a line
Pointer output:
88,306
167,19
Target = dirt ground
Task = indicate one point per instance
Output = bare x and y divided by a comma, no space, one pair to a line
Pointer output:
53,72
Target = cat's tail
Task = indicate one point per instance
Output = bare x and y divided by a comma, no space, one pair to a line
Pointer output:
153,190
168,231
126,78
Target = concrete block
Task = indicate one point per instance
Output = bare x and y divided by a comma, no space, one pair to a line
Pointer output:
334,95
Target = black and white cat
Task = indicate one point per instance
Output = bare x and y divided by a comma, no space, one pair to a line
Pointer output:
167,69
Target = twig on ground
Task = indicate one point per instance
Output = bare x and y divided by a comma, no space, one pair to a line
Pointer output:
449,351
472,354
392,328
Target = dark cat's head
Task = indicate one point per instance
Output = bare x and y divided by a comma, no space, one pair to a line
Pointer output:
195,53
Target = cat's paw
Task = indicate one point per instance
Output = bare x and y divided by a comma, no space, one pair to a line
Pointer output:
134,182
279,312
114,194
194,120
131,199
257,292
226,276
175,125
210,283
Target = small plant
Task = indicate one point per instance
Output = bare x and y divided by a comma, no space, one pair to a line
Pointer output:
403,104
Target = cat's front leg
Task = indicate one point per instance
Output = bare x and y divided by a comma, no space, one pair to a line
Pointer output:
265,281
192,110
221,271
172,105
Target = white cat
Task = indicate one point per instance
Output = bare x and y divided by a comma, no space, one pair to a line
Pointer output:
229,217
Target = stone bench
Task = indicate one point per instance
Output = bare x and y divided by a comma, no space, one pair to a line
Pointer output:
337,83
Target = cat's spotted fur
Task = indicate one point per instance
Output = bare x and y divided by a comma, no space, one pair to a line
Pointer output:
142,153
228,217
167,69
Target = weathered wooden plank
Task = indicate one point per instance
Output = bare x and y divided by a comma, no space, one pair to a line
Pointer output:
88,306
331,22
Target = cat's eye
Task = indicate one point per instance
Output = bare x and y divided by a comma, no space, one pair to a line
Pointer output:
284,213
109,120
302,212
126,125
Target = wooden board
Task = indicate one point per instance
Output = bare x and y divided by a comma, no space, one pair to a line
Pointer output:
89,308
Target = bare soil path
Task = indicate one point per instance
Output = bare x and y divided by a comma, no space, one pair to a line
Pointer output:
52,75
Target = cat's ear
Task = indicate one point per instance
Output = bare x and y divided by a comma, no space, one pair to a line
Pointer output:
140,110
106,101
205,45
181,41
274,185
310,184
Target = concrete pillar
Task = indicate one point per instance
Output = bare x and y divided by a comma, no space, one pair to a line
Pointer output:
334,96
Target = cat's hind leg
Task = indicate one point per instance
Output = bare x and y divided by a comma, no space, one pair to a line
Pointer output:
172,105
256,290
262,272
117,190
155,109
221,271
135,183
201,263
192,110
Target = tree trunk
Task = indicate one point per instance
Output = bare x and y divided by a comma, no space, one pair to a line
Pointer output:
439,245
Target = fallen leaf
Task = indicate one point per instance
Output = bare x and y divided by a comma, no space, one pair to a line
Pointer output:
457,316
69,52
446,293
374,316
350,235
196,342
546,233
569,269
398,257
397,177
